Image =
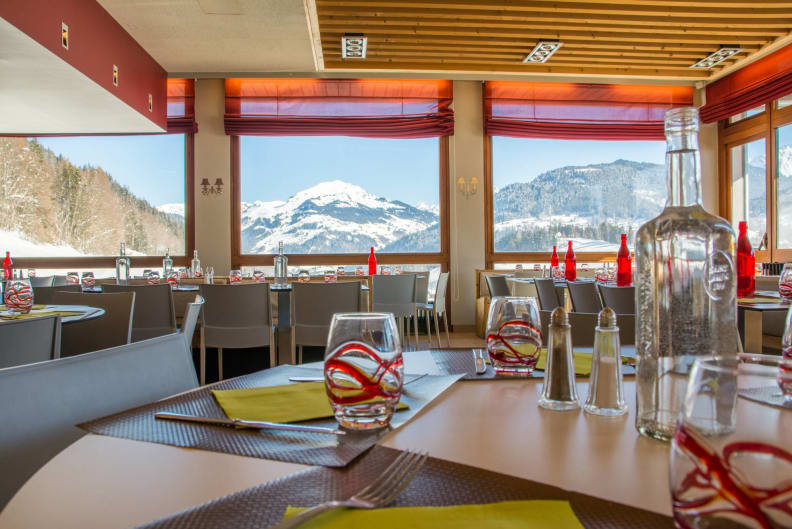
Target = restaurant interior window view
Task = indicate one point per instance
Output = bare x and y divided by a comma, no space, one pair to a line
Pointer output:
389,263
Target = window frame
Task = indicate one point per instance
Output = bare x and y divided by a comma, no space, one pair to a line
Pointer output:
143,261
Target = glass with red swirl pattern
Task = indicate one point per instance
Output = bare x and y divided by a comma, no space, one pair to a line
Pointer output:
785,282
731,464
18,296
363,369
514,335
785,369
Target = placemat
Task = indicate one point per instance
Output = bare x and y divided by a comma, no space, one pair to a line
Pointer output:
767,395
437,483
295,447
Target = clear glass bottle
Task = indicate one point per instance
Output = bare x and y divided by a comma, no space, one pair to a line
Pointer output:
122,266
281,266
195,265
606,391
685,286
167,263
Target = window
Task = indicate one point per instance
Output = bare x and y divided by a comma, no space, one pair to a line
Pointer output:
747,114
749,190
546,192
784,102
784,186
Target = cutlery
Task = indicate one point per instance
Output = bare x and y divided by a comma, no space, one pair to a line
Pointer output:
321,379
246,424
481,365
380,493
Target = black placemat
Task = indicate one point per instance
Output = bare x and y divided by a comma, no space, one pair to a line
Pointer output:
770,395
438,483
294,447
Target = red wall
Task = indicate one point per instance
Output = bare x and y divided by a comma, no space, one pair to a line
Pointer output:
96,43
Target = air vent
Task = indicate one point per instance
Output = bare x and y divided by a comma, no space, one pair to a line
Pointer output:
353,46
716,58
543,50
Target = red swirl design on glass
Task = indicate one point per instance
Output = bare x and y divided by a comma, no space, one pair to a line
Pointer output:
18,296
370,385
728,491
785,372
785,290
508,332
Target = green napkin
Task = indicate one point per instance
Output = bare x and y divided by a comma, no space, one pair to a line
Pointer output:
61,313
534,514
290,403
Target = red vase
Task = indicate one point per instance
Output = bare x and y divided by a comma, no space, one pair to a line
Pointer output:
623,264
8,267
570,263
372,263
746,264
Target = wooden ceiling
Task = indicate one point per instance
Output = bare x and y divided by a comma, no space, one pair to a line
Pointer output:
647,39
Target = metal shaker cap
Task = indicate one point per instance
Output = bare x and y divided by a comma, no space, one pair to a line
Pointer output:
559,317
607,318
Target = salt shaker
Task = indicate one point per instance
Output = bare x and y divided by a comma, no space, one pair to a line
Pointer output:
606,394
559,391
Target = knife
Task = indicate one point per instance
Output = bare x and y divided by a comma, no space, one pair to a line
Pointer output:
246,424
478,357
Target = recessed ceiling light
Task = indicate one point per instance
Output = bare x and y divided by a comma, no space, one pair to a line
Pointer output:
353,46
543,50
716,58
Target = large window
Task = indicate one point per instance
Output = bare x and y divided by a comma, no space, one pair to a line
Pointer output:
749,189
72,197
546,192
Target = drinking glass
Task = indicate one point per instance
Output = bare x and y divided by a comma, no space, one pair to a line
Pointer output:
518,267
209,277
153,278
73,278
785,282
514,335
31,272
18,296
340,271
363,369
259,276
235,276
730,467
385,270
359,271
785,369
88,280
173,278
397,270
303,276
330,276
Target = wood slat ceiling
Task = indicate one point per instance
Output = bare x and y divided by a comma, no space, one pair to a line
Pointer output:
648,39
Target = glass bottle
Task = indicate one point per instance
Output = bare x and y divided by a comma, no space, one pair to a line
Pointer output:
167,263
570,264
8,267
281,266
372,263
554,263
122,266
195,265
623,264
746,263
685,285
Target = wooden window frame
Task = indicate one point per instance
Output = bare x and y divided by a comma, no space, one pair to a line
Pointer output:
761,126
153,261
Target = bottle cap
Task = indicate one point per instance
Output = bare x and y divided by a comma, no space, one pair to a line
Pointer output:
559,317
607,318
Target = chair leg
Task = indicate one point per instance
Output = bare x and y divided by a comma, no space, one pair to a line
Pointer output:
429,329
219,363
299,354
202,361
400,325
415,328
445,324
437,328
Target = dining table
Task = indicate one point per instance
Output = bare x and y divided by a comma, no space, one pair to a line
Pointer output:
749,317
84,313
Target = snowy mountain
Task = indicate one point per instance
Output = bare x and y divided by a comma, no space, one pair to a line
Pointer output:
175,212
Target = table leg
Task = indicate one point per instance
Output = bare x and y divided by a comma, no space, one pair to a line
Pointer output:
752,331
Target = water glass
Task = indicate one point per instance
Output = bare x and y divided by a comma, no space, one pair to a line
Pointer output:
303,276
18,296
153,278
340,271
785,282
88,280
363,369
785,368
397,270
518,268
727,467
173,278
31,272
235,277
359,271
385,270
209,277
73,278
259,276
330,276
514,335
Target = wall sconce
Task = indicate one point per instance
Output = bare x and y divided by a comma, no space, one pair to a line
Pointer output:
209,189
467,188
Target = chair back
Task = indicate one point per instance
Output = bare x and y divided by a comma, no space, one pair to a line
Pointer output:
59,281
154,314
45,281
191,314
30,340
44,295
767,283
497,286
41,403
237,315
315,304
620,299
440,294
394,294
111,330
585,297
584,326
434,277
548,296
422,288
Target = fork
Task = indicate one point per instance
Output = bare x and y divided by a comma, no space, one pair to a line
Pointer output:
380,493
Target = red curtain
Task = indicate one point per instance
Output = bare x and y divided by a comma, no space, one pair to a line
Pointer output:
757,84
181,106
580,111
368,108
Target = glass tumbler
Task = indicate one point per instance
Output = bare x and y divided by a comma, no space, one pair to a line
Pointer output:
153,278
73,278
18,296
785,282
88,280
259,276
363,369
235,276
514,335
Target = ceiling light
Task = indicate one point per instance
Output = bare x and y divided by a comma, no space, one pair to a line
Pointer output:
716,58
543,50
353,46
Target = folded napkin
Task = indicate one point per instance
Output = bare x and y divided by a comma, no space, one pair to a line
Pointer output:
534,514
582,362
61,313
289,403
759,299
35,307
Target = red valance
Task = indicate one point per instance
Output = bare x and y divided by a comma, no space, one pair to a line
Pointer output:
181,106
757,84
580,111
368,108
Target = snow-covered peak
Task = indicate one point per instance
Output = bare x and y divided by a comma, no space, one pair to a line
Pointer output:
432,208
172,209
325,193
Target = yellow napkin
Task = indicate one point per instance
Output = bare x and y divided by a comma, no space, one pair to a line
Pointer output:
35,307
534,514
290,403
582,362
759,299
60,313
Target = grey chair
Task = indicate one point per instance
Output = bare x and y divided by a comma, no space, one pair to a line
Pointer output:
44,295
29,341
548,295
314,305
58,281
154,313
236,316
40,404
190,320
620,299
395,294
110,330
583,328
46,281
585,297
438,307
497,286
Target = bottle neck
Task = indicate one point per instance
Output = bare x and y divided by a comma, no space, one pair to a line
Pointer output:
683,169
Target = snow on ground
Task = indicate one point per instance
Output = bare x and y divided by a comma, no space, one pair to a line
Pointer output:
16,244
172,209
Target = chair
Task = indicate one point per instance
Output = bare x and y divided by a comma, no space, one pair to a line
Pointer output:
154,313
44,295
236,316
395,294
584,296
548,296
41,403
497,286
584,325
29,341
111,330
620,299
46,281
314,305
190,320
437,307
